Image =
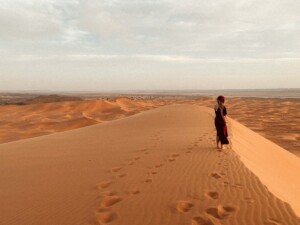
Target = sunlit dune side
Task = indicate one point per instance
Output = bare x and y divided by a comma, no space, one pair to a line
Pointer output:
26,121
276,168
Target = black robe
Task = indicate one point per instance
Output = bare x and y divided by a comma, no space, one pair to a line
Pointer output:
221,126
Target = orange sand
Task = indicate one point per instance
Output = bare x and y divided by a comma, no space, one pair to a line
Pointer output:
26,121
156,167
276,119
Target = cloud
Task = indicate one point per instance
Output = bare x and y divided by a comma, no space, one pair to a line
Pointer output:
227,28
146,37
137,57
23,20
248,28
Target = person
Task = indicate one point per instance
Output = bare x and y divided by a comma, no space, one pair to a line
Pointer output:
220,122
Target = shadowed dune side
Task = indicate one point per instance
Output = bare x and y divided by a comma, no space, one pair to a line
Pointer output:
156,167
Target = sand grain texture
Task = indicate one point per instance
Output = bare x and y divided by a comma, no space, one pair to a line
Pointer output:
173,175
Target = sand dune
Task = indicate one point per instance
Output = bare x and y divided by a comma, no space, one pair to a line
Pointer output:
276,119
277,168
25,121
156,167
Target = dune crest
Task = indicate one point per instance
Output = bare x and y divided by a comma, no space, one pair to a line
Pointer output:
41,118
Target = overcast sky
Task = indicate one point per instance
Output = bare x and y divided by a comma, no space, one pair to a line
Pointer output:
90,45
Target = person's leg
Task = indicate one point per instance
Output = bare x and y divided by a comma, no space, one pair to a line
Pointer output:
218,141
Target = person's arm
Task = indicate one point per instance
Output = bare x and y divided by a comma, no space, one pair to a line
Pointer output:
222,114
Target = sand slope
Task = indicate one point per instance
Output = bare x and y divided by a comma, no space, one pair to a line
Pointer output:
277,168
156,167
26,121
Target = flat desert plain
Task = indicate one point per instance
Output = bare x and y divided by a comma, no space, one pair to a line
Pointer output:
146,162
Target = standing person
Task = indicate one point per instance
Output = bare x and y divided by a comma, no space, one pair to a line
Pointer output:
220,122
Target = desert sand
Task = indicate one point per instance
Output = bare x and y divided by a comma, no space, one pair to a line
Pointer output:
276,119
26,121
156,167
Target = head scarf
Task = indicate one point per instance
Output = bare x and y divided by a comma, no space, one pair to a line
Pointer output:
220,100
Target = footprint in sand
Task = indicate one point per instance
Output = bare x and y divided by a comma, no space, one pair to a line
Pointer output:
220,212
188,151
109,193
137,158
110,200
211,195
121,175
131,163
153,172
159,165
272,221
106,217
134,191
149,180
104,184
184,206
225,184
115,169
174,155
215,175
201,220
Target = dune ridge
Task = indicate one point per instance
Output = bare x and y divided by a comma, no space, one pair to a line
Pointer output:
275,119
156,167
26,121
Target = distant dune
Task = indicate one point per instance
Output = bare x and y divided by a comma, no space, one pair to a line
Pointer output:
275,119
156,167
38,117
26,99
51,98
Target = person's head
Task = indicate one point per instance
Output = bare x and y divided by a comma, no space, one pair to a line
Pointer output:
221,100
